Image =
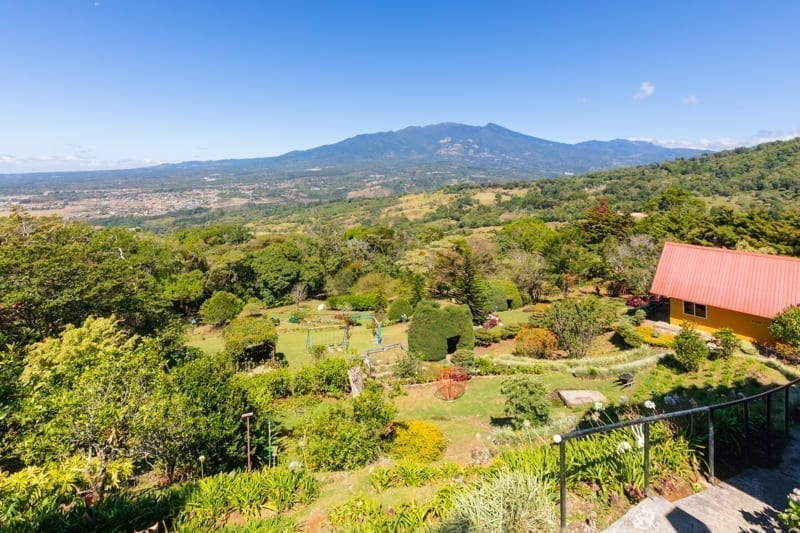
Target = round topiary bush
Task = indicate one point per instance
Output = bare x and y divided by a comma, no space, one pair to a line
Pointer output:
417,440
399,308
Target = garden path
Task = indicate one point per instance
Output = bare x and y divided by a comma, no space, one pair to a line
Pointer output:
749,501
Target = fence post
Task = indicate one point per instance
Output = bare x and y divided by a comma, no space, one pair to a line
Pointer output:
646,458
711,444
786,411
747,433
562,462
769,427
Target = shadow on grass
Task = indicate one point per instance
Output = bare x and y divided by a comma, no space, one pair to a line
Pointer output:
501,421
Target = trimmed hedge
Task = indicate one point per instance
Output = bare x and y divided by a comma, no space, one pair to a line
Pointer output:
500,292
433,325
398,308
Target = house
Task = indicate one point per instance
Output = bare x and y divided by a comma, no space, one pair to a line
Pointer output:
716,288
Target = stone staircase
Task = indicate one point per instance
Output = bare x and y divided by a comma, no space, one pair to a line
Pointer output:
749,501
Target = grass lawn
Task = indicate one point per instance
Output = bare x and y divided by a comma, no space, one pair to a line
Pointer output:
206,338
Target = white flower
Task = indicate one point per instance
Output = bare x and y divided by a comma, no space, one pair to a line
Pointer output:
202,458
557,438
598,406
795,495
649,404
623,447
526,423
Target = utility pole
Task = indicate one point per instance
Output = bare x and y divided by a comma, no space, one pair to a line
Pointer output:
246,417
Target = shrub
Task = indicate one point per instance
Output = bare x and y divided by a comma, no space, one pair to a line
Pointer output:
348,435
628,334
509,331
221,307
356,302
434,329
407,365
510,501
576,322
535,342
726,341
786,326
250,340
501,292
639,316
465,359
328,377
417,440
790,518
526,399
655,338
690,348
277,383
318,351
486,337
398,308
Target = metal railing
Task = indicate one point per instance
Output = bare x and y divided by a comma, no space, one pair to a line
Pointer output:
766,396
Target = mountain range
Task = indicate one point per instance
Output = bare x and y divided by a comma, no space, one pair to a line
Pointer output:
435,155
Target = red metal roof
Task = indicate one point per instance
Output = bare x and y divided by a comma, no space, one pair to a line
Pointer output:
757,284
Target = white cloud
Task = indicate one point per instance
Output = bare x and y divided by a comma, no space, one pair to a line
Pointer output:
722,143
690,100
646,90
10,164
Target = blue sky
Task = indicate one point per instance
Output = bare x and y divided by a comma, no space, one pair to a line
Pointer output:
113,83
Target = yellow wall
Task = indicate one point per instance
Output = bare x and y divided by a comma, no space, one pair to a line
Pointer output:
748,327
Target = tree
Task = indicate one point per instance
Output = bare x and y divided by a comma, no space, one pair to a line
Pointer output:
299,293
54,273
526,400
567,261
349,434
576,322
185,290
468,286
85,394
529,272
278,268
250,340
785,327
632,264
690,348
528,234
220,308
602,222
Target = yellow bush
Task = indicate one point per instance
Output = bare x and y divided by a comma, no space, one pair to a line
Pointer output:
535,342
655,338
417,440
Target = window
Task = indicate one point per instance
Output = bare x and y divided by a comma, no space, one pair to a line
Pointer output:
693,309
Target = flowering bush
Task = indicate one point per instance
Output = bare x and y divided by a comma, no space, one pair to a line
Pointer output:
419,440
636,301
535,342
